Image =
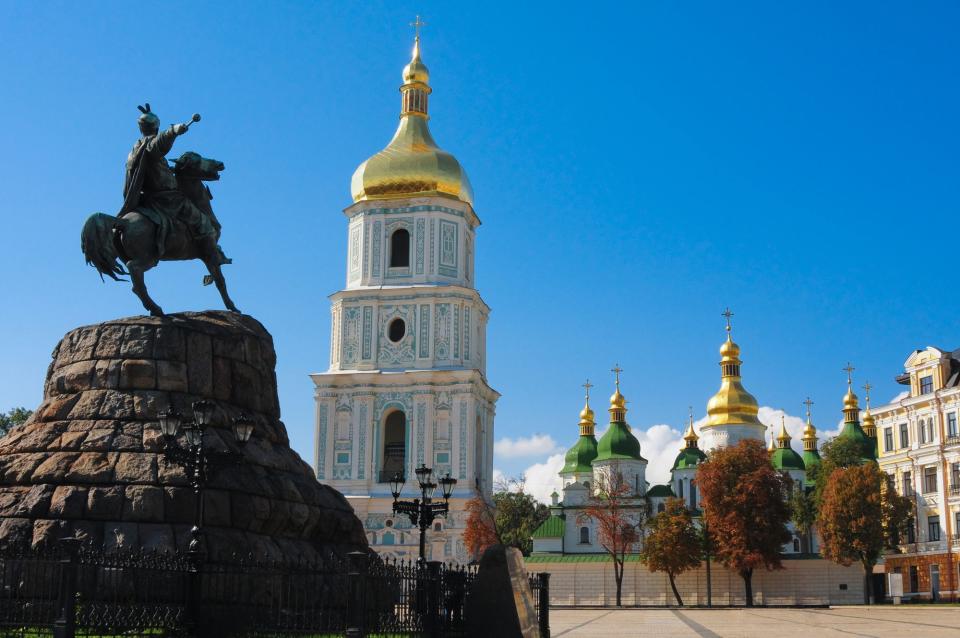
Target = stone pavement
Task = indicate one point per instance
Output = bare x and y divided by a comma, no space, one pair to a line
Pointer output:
873,622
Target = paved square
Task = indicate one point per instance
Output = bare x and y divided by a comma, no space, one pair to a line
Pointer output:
873,622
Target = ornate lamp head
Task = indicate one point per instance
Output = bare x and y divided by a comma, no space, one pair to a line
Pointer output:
203,412
169,422
396,484
194,434
243,428
429,489
423,475
447,484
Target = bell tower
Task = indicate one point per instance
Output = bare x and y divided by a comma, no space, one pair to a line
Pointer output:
406,383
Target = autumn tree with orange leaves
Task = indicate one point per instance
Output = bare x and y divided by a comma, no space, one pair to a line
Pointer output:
673,544
744,505
856,516
481,530
619,515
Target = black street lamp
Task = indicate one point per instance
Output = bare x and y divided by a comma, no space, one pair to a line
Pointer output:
422,511
199,464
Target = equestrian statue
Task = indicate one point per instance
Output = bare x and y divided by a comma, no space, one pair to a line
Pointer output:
166,214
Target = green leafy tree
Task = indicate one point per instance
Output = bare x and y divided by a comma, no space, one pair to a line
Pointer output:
13,418
803,513
518,515
673,544
838,452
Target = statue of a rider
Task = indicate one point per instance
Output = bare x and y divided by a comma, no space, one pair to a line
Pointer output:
151,186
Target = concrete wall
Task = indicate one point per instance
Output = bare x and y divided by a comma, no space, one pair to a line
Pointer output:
802,582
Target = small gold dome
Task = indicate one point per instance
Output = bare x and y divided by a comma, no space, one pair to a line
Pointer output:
586,414
416,70
729,349
617,400
850,400
809,430
412,164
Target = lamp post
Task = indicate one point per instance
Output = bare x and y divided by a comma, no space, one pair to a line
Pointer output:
422,511
199,464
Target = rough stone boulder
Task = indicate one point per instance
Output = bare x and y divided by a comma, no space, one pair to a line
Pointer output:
90,461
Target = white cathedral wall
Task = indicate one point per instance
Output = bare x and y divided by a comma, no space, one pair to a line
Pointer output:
713,437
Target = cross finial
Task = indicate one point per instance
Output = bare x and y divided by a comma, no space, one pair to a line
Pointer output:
808,403
727,313
587,386
849,370
690,413
416,24
616,370
867,387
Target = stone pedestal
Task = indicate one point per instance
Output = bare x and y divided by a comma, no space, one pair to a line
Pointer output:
90,461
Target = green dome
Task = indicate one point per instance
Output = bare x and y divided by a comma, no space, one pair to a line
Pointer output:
785,458
580,456
852,431
618,443
811,458
662,491
689,457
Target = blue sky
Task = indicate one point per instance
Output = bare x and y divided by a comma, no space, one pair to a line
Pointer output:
638,167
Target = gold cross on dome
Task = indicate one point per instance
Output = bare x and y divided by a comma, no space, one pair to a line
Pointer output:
726,313
616,370
416,24
808,403
690,411
849,370
587,387
867,387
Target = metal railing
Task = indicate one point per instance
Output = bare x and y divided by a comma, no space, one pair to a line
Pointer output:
67,592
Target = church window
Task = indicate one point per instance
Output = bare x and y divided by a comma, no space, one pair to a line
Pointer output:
693,495
442,458
796,545
388,538
933,528
394,445
400,249
343,458
680,488
926,384
930,479
888,439
660,508
389,522
438,526
396,330
904,435
584,535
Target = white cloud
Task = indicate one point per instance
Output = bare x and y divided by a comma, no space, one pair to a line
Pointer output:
523,447
900,396
543,478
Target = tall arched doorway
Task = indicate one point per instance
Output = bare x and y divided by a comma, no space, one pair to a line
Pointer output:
394,445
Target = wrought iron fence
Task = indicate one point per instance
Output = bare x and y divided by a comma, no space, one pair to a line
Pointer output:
65,592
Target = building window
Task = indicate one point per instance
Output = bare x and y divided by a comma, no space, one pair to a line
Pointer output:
396,330
904,435
930,479
911,531
888,439
923,431
442,458
343,458
933,528
400,249
952,424
914,579
584,535
438,526
907,484
660,508
394,445
926,384
956,525
955,479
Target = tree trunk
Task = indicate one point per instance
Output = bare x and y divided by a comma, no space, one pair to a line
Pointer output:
747,576
676,594
867,584
618,576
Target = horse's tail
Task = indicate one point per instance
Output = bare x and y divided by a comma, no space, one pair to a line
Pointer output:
98,246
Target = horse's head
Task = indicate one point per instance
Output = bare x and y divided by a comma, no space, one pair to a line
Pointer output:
192,165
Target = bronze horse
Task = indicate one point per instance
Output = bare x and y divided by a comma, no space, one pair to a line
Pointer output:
142,238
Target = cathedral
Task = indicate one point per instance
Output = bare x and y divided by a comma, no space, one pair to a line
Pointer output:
732,416
406,384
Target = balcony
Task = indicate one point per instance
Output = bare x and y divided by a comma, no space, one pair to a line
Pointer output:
955,488
952,439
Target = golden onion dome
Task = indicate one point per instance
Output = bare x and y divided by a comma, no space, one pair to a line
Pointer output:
850,400
617,400
586,414
729,349
732,404
412,164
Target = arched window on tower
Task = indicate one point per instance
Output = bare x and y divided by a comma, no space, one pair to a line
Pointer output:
394,445
400,249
